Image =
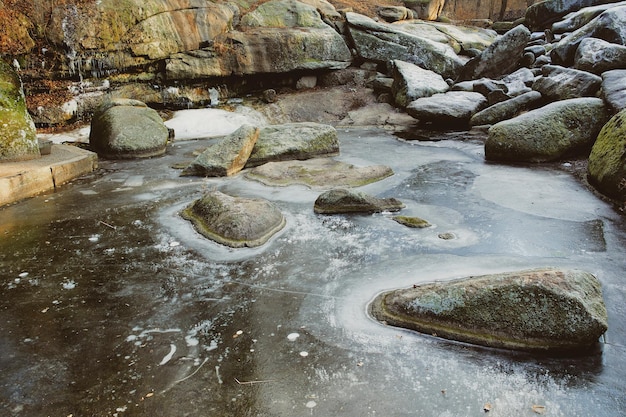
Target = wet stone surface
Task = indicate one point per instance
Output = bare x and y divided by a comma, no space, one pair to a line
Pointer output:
112,305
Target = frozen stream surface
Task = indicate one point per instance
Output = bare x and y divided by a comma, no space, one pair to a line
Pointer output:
111,305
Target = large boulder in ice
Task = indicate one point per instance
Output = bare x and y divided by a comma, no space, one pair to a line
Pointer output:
607,161
234,221
536,310
342,201
126,129
18,140
559,129
291,141
227,156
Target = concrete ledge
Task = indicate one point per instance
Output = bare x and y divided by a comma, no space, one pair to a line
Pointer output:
24,179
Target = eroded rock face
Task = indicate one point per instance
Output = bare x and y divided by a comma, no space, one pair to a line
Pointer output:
233,221
607,161
566,127
126,129
378,42
18,137
342,201
536,310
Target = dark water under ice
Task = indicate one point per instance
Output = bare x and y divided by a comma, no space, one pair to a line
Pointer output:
111,305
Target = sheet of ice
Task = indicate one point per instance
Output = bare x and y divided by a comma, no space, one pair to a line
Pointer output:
205,123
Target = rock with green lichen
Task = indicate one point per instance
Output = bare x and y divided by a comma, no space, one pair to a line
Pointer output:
607,161
412,221
291,141
559,129
234,221
18,136
283,14
545,310
126,129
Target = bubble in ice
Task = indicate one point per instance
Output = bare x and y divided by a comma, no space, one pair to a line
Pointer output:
304,354
293,336
69,285
94,238
23,275
311,404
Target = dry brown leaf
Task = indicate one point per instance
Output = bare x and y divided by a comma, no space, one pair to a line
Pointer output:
487,407
539,409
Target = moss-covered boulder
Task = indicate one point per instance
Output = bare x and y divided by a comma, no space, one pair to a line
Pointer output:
607,161
18,138
234,221
126,129
549,133
536,310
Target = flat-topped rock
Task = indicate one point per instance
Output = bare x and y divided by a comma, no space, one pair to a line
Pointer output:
318,173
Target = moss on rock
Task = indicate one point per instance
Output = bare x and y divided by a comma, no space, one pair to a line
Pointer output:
607,161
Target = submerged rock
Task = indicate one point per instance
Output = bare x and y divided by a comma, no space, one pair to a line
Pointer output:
318,173
607,161
228,156
536,310
232,221
559,129
341,201
126,129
